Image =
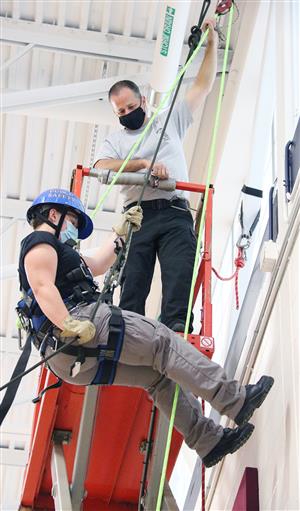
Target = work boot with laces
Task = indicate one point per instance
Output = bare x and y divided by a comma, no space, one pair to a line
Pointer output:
255,396
230,442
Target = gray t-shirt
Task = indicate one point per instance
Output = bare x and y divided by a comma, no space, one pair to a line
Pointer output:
118,144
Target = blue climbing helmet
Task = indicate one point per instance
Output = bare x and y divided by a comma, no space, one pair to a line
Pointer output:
65,201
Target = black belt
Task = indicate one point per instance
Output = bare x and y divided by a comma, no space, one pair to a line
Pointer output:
161,204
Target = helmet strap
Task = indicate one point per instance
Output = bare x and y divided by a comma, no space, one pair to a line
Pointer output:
57,227
60,223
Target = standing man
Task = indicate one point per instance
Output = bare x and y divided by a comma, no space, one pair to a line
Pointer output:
167,229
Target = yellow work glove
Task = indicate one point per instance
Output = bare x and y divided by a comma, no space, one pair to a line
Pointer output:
133,216
84,329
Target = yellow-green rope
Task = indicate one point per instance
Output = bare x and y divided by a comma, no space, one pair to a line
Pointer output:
197,256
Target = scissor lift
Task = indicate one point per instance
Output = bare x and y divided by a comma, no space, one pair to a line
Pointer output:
88,443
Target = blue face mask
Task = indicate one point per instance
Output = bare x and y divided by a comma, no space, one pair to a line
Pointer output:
70,233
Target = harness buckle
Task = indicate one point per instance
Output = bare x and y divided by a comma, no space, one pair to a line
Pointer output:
48,340
75,368
105,353
85,271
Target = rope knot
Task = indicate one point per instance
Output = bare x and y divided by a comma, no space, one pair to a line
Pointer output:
239,262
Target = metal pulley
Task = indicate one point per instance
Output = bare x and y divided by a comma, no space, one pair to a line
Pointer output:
223,7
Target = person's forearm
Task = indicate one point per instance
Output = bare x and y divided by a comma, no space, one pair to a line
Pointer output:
51,303
114,165
100,259
208,70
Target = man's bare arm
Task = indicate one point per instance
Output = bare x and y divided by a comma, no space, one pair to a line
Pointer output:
159,169
114,165
205,78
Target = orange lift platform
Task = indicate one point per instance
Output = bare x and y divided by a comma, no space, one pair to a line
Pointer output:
89,444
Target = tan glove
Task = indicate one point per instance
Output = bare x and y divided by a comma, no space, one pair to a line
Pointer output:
84,329
133,216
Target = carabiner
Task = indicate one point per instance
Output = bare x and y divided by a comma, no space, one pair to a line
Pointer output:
243,242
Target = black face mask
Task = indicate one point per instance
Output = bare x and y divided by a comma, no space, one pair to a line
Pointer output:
134,120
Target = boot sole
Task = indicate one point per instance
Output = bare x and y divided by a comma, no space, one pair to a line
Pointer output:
239,443
260,399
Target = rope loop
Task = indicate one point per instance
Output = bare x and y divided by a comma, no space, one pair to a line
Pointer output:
239,263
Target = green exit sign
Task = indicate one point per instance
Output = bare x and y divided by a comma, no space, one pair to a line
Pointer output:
167,31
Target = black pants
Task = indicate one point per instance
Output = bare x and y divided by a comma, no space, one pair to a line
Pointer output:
169,234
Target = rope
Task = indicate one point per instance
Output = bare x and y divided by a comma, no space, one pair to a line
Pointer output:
203,470
239,263
197,256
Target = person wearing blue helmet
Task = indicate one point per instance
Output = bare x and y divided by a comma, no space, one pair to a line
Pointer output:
64,201
58,219
120,347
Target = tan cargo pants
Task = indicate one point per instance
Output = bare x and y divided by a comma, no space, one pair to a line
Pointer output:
156,358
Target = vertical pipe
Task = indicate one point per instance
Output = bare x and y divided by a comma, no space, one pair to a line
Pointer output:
170,38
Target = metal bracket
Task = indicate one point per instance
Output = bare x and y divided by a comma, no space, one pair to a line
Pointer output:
61,436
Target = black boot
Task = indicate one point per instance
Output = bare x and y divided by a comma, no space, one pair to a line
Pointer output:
230,442
178,327
255,395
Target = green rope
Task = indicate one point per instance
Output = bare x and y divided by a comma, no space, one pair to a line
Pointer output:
197,256
147,127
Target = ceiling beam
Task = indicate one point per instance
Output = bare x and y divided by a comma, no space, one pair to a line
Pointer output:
90,112
108,46
85,94
88,43
64,94
19,55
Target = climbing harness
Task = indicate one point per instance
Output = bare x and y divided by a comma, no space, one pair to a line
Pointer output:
41,332
85,292
109,354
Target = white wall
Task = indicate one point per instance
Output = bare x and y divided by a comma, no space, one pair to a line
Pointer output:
274,446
